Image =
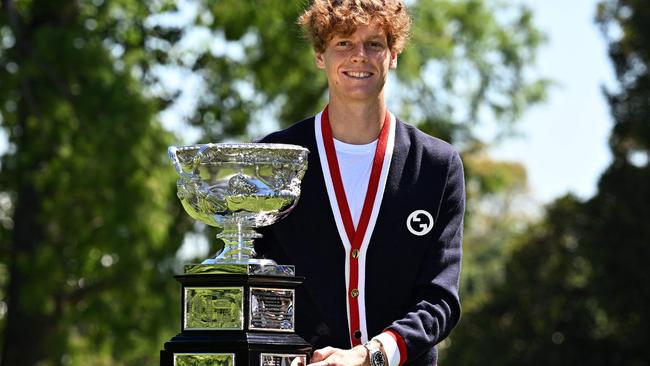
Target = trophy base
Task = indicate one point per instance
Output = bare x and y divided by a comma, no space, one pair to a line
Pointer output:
240,349
236,315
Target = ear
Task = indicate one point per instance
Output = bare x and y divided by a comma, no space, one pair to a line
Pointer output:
320,60
393,60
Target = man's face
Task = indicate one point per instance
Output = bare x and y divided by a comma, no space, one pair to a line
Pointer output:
357,65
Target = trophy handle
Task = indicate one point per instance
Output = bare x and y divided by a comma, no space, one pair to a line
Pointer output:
173,156
172,151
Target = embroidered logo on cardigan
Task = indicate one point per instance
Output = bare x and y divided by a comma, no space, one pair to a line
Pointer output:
419,222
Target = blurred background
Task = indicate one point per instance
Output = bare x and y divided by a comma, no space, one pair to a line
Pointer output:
548,101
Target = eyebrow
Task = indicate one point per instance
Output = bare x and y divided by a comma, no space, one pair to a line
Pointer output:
376,37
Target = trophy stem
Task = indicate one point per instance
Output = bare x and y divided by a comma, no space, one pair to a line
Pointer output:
238,247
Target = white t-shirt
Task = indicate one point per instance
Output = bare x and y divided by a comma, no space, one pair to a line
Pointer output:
355,164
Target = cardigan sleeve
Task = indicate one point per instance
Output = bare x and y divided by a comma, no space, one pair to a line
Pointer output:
436,305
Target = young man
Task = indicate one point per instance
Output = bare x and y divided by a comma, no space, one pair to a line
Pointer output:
377,231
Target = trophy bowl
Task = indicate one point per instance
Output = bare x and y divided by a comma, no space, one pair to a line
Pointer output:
239,187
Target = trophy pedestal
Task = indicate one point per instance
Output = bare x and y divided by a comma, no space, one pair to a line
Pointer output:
236,315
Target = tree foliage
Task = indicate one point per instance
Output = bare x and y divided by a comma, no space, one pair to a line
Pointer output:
573,290
89,222
86,231
497,211
467,60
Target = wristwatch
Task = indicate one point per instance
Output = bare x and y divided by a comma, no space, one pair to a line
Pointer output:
376,356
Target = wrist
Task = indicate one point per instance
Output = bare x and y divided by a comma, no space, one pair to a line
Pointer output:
376,355
365,354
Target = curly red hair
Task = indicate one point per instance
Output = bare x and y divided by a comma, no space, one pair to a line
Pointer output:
328,17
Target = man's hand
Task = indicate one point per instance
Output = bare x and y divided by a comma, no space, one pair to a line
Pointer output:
330,356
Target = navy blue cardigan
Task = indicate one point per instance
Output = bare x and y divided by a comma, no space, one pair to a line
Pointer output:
411,281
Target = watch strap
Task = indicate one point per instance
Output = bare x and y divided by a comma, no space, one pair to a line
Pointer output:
375,355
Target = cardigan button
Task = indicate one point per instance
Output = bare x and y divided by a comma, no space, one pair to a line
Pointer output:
355,293
355,253
357,334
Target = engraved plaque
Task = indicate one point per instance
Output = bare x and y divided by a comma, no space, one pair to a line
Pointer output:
271,309
208,308
272,359
204,359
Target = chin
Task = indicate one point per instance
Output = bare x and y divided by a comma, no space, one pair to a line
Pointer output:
363,96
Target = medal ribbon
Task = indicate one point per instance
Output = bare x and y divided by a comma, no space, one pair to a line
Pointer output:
354,236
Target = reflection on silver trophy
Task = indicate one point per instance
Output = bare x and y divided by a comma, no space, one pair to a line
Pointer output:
239,187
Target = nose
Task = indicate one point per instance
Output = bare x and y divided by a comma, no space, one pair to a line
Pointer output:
359,53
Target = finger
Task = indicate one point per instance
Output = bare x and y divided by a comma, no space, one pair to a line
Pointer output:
297,362
323,353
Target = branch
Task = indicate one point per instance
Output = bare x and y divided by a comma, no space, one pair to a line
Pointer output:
79,294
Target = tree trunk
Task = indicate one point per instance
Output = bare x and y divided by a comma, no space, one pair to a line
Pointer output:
31,323
28,328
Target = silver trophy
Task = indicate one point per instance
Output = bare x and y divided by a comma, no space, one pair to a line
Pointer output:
239,187
238,309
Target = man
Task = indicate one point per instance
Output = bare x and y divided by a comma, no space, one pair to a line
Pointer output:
377,231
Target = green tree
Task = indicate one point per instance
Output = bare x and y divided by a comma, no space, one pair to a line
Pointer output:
468,62
540,312
85,234
88,219
497,212
573,291
616,237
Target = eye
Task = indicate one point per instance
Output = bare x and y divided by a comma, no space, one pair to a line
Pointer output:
376,45
342,43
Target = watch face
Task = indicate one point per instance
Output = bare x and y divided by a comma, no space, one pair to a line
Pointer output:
377,359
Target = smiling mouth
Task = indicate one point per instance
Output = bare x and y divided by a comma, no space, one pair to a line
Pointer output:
358,74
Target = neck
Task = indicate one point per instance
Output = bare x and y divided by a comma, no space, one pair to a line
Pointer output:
356,123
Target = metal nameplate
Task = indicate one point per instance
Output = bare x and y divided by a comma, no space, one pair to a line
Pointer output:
276,359
213,308
204,359
271,309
